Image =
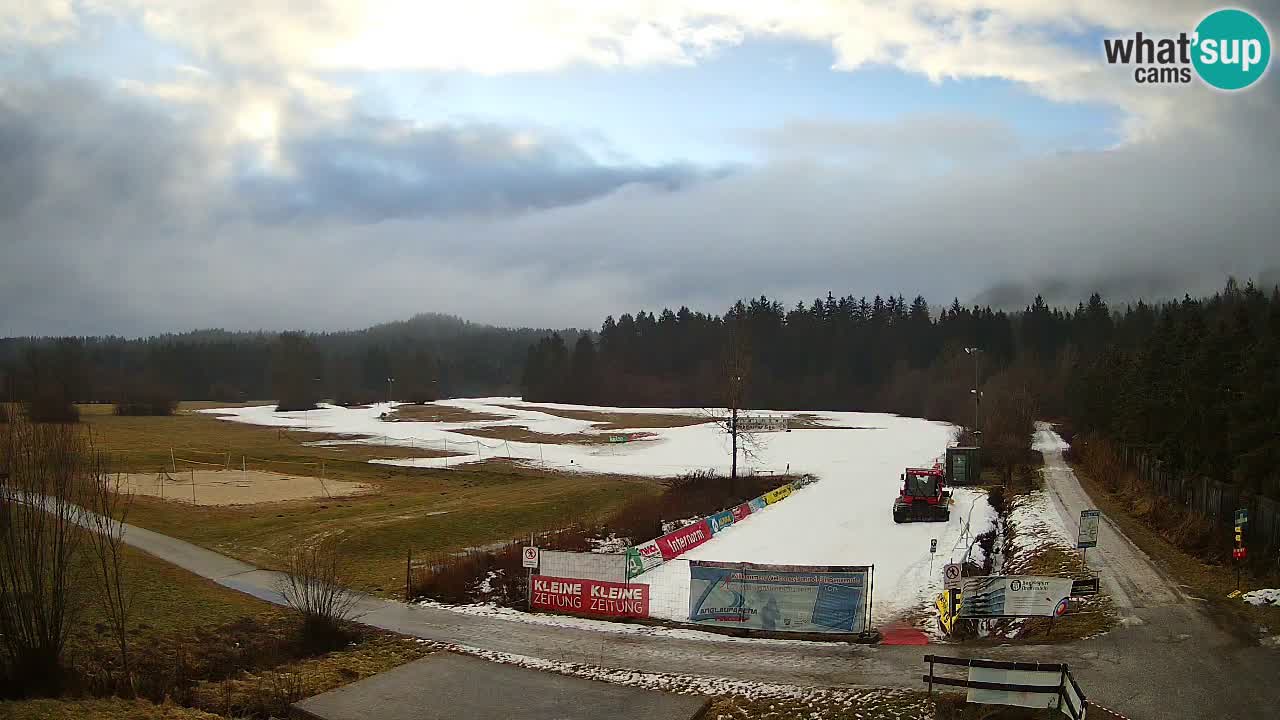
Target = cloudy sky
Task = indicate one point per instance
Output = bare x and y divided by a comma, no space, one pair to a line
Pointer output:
332,164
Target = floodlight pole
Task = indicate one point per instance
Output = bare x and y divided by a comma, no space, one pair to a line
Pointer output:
390,380
976,393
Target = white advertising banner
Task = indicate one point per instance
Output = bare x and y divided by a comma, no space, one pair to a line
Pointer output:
1051,679
1014,596
586,566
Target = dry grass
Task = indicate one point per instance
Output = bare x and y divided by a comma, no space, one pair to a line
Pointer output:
1212,582
618,420
210,647
412,509
432,412
99,709
269,692
517,433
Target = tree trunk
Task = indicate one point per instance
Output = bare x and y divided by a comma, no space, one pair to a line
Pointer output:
733,471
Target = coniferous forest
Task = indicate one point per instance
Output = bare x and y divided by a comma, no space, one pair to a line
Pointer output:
1198,379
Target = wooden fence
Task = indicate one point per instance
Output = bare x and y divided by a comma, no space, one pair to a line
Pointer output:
1214,500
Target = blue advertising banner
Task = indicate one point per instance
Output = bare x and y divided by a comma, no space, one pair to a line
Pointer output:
758,504
720,521
779,598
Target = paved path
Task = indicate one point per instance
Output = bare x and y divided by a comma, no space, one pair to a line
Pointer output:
445,686
1169,660
1128,575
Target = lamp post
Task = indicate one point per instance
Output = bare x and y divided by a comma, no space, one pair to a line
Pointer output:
977,395
390,380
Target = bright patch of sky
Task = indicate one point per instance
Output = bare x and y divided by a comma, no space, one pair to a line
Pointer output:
705,113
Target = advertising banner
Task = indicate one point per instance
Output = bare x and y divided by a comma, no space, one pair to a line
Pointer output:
740,512
1051,680
777,494
642,558
1088,536
785,598
757,504
676,543
589,597
610,567
1014,596
720,521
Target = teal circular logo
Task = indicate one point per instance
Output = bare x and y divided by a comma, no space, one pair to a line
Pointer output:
1232,49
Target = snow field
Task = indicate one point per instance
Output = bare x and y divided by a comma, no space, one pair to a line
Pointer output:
843,519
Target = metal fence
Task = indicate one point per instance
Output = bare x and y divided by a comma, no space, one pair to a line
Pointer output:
1211,499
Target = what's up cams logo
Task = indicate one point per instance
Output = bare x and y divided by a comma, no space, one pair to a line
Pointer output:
1230,50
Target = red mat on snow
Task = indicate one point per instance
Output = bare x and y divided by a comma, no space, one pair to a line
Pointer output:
902,635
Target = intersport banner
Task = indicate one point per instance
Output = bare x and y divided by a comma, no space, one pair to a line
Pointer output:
676,543
589,597
720,521
779,598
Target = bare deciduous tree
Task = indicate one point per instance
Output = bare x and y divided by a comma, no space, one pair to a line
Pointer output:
313,586
108,505
735,378
42,569
1008,422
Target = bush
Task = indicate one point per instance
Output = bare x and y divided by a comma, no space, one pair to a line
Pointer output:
313,586
51,407
496,575
151,400
225,392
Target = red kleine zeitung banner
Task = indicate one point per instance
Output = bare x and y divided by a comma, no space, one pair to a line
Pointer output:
589,597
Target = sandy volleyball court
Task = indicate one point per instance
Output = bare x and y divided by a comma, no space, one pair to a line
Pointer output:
236,487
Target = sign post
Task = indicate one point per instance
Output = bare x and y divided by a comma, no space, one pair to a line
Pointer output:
1238,553
1088,535
933,548
529,559
951,576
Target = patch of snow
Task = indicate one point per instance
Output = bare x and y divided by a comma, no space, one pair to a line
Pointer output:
612,544
1267,596
1036,524
821,701
620,628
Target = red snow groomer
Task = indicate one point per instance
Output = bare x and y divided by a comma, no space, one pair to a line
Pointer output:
924,496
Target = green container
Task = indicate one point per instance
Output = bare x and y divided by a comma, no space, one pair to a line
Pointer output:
964,465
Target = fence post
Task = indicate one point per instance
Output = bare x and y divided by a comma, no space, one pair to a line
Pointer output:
408,574
930,657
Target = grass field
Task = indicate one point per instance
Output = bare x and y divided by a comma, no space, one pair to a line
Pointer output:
169,601
410,509
233,650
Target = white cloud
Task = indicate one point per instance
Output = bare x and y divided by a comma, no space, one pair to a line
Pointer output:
1016,40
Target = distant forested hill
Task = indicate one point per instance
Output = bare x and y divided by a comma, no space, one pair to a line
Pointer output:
429,354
